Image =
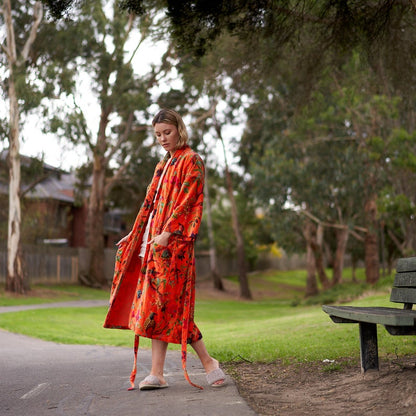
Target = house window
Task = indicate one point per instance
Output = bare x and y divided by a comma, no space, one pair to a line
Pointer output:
62,216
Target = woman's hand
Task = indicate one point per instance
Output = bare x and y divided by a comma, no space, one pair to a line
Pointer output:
161,239
124,240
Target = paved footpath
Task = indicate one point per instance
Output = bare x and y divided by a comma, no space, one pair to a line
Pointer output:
39,378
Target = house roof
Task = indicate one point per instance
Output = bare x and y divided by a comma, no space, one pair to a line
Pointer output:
55,187
53,183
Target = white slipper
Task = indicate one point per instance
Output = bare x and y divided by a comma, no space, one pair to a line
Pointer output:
151,383
214,376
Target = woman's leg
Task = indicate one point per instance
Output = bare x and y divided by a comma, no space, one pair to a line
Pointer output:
159,349
209,363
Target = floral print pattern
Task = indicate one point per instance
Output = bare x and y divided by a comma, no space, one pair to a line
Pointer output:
155,297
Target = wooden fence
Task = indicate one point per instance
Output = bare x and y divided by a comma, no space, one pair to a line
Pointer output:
46,264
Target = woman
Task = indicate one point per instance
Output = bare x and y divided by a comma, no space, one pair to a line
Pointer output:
153,291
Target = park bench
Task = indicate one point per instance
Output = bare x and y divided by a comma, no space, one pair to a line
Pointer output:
396,321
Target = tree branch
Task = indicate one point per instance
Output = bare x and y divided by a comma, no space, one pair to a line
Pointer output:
209,113
5,50
140,128
34,183
37,15
311,216
356,235
324,139
115,178
126,35
122,138
338,226
165,65
10,39
130,26
302,16
396,241
83,127
135,50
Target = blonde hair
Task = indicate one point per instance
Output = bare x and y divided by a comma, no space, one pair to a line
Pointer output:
169,116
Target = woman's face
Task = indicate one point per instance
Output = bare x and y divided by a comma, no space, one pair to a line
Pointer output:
167,135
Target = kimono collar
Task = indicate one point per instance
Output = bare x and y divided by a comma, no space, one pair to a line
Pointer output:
176,154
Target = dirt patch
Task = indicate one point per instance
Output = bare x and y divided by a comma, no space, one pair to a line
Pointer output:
34,292
331,388
205,290
323,388
43,293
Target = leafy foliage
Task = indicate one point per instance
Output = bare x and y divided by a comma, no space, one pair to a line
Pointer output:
327,92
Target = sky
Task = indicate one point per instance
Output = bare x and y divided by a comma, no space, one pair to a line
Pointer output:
59,153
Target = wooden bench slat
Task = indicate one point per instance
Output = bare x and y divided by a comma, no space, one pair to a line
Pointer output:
375,315
401,330
406,265
403,295
396,321
405,279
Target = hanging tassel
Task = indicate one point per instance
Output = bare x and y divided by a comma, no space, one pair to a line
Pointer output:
185,372
185,330
134,371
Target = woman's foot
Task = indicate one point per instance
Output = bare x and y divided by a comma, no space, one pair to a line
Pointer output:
152,382
215,376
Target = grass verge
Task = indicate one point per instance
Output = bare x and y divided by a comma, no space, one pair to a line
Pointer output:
53,293
258,331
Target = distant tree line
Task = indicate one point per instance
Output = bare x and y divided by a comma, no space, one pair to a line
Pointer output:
323,93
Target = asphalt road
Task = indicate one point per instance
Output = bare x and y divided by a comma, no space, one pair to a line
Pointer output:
39,378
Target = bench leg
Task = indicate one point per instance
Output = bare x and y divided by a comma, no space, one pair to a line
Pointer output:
368,347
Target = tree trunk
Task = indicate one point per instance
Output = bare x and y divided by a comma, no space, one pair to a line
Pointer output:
96,275
15,281
241,256
311,283
372,261
354,270
316,242
216,278
382,249
342,239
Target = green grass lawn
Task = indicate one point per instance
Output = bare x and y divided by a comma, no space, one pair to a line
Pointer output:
52,293
263,331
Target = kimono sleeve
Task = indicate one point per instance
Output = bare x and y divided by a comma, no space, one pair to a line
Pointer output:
187,214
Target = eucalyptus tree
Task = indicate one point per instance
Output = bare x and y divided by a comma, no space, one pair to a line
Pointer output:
16,59
34,69
217,126
199,129
314,53
321,35
205,88
396,203
333,158
122,98
316,31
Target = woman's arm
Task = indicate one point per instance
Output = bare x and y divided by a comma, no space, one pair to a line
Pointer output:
186,215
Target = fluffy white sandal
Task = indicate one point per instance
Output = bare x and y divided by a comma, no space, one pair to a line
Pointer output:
151,383
214,376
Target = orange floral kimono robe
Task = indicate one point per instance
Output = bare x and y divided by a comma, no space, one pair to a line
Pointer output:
155,297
